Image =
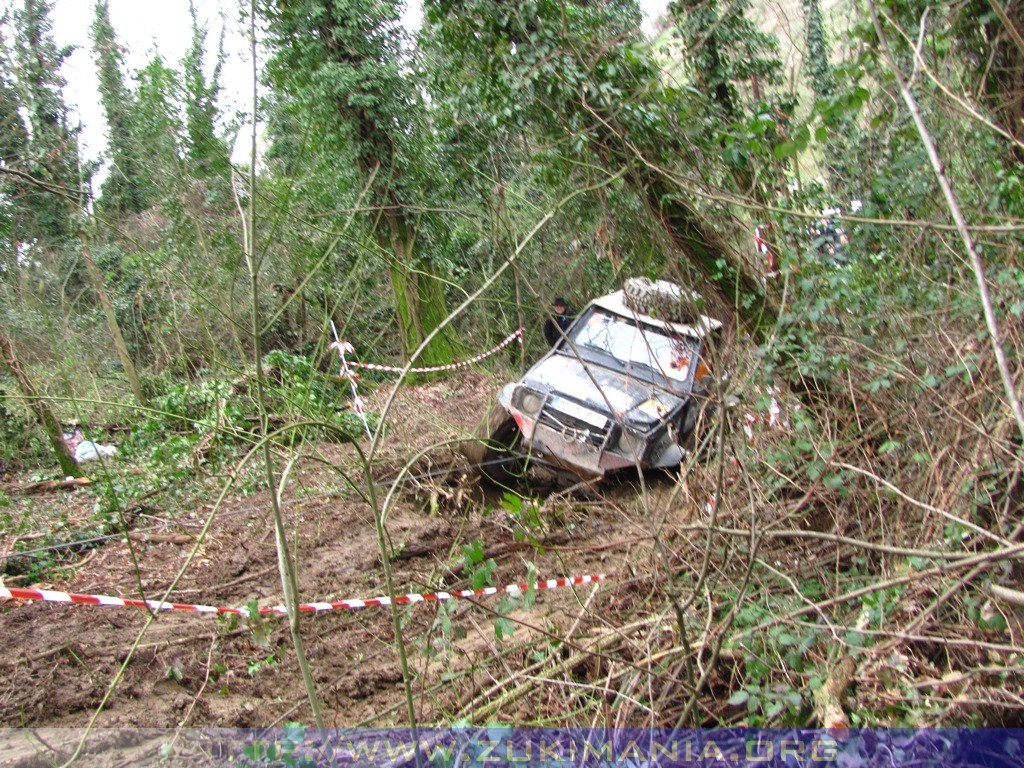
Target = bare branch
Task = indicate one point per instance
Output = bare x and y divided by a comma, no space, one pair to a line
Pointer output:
1011,29
46,186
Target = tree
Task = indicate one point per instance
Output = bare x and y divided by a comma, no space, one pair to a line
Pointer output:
122,190
13,146
54,171
990,36
52,150
207,152
818,66
341,64
726,52
158,128
736,67
99,286
580,76
68,466
13,133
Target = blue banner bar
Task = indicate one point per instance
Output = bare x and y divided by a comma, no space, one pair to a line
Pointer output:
298,747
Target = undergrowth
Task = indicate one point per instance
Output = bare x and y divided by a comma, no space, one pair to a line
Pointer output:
178,451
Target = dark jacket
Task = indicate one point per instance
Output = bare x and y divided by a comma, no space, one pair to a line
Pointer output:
555,326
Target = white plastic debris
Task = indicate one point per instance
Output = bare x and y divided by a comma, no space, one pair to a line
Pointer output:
87,450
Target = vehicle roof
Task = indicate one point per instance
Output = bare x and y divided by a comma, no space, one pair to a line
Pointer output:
615,303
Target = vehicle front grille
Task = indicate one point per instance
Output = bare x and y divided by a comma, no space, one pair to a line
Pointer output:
573,428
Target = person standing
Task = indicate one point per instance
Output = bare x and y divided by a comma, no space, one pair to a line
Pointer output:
558,321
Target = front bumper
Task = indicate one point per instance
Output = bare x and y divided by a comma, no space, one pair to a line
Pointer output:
587,441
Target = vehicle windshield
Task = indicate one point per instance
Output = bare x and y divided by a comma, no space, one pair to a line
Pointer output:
658,353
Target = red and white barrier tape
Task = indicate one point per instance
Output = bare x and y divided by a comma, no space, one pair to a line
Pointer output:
342,347
358,404
50,596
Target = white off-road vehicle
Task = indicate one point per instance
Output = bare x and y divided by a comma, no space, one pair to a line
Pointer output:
626,386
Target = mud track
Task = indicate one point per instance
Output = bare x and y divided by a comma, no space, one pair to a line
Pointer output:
60,660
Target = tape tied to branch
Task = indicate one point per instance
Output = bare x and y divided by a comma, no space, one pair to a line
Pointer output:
358,404
343,347
52,596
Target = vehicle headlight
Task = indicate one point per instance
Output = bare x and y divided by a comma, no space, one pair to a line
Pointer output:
632,445
653,408
528,401
648,413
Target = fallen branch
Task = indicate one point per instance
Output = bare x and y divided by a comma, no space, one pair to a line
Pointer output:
1013,596
828,700
47,486
160,538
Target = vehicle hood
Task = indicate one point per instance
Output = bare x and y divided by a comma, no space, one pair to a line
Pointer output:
597,386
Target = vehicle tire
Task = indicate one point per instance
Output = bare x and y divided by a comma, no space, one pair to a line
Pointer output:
696,424
494,447
662,299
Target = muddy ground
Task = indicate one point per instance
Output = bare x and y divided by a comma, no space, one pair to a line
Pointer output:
60,663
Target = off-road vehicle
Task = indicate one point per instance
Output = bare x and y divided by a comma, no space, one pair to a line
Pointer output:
625,386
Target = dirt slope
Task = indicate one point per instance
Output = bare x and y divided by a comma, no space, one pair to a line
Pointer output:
61,660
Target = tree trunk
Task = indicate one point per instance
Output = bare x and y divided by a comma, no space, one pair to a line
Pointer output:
738,291
96,278
738,287
403,284
419,298
68,466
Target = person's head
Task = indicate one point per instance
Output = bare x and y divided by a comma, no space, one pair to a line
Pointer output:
558,305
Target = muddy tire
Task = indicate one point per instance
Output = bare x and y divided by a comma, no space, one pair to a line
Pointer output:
696,424
662,299
493,451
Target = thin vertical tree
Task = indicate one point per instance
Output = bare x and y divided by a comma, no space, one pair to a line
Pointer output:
122,190
37,403
52,151
206,151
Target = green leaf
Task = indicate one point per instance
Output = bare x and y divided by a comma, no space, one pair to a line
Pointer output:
802,138
858,98
784,150
513,502
739,698
996,621
834,481
503,628
482,575
474,552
